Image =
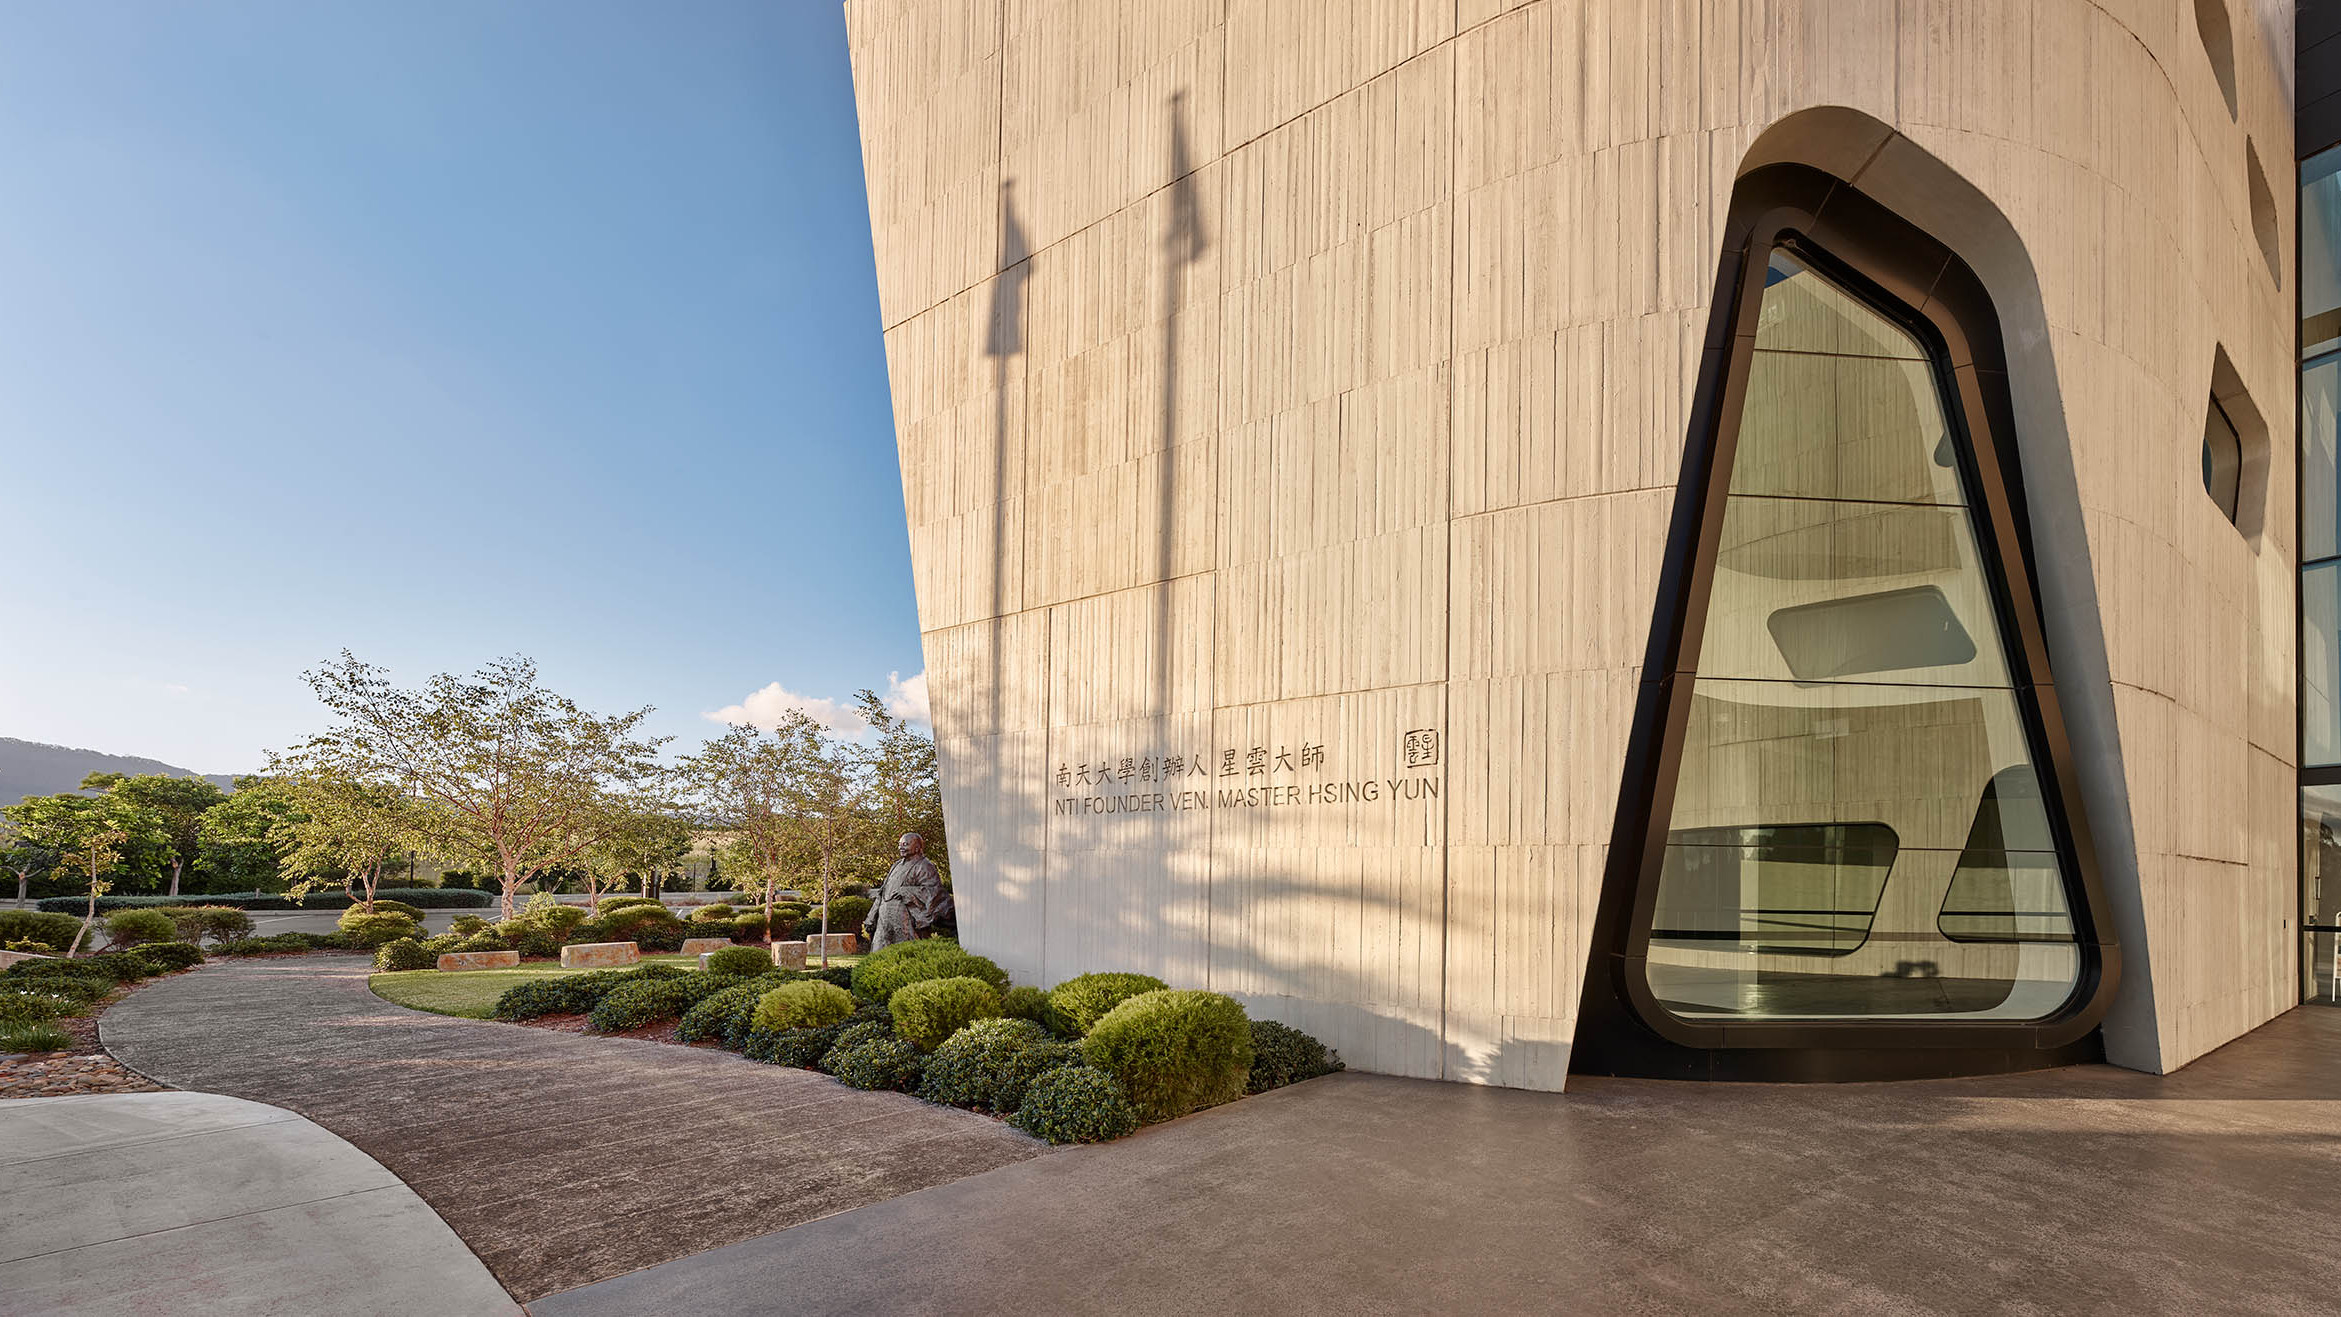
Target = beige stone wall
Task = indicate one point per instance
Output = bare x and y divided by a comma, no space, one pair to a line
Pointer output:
1293,375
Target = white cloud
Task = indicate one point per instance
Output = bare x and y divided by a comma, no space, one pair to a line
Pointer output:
175,688
908,699
765,708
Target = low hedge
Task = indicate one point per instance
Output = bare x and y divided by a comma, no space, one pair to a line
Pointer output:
739,960
883,973
854,1033
529,937
1284,1055
366,932
1025,1003
129,928
931,1010
710,1020
713,910
403,954
791,1047
990,1064
382,906
573,994
1081,1001
1075,1104
644,1001
1173,1051
36,926
169,956
218,922
804,1004
880,1064
427,898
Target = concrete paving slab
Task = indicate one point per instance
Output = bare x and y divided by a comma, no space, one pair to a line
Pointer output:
161,1204
2085,1190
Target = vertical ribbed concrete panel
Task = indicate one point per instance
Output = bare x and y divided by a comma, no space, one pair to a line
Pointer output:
1298,388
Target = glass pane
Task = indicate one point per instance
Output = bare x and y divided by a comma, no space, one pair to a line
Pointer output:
1811,590
1795,890
2320,252
2320,666
2320,507
1841,403
1914,759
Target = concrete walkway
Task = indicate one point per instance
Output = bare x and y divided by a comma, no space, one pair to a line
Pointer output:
163,1204
2089,1190
559,1158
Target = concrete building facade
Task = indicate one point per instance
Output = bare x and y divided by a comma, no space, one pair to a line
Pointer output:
1317,422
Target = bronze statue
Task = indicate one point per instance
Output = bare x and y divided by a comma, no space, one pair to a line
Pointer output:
912,899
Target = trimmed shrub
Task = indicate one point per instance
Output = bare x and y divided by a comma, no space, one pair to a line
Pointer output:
442,944
1075,1104
559,918
366,932
853,889
666,935
1025,1003
72,990
990,1063
1284,1055
791,910
34,1038
129,928
839,975
883,973
633,1005
427,898
845,913
402,954
881,1063
791,1047
612,904
35,926
466,925
852,1034
383,905
22,1007
1174,1051
169,956
483,942
28,944
218,922
709,1019
804,1004
739,960
572,994
712,911
931,1010
529,937
120,966
747,928
1077,1004
659,972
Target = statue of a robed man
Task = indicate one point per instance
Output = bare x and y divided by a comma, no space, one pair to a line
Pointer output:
912,900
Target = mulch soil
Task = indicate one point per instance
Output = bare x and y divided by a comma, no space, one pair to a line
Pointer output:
83,1067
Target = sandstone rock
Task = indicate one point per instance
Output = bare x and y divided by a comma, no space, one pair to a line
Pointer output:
700,946
460,960
788,955
599,955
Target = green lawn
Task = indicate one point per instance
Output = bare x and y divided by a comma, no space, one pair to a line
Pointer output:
473,993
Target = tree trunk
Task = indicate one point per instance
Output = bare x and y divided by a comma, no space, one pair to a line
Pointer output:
176,862
88,919
511,885
24,878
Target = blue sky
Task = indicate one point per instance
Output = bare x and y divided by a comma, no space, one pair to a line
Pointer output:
435,331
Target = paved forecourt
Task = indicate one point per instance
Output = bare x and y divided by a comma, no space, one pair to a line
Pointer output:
559,1158
2086,1190
162,1204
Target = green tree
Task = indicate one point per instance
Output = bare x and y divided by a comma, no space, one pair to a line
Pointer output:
827,818
23,857
901,791
90,834
747,784
343,829
235,841
645,843
177,804
510,769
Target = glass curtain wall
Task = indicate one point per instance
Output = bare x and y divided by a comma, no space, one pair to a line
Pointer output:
1857,830
2320,574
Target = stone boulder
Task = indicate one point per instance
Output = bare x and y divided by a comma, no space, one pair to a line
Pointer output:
599,955
460,960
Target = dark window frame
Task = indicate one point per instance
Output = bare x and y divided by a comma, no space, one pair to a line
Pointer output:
1917,282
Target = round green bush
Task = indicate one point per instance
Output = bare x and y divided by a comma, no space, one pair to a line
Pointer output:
1075,1104
367,932
1080,1002
855,1033
529,937
403,954
489,941
708,1019
748,928
882,1063
791,910
883,973
712,911
34,1038
467,925
612,906
169,956
931,1010
791,1047
559,918
385,906
1284,1055
1174,1051
633,1005
845,913
1024,1002
804,1004
442,944
739,960
129,928
217,922
990,1063
570,994
37,926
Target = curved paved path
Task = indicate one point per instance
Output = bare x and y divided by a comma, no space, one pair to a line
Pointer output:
560,1158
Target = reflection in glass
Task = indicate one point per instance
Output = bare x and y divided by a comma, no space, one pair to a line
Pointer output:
2320,665
1857,832
2320,469
2320,880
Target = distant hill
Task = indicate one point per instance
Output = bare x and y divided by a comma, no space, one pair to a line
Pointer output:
30,768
